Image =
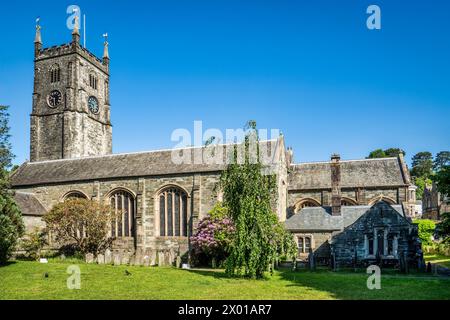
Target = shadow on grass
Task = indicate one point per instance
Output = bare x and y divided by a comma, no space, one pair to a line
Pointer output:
8,263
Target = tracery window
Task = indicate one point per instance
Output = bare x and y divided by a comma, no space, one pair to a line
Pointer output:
55,74
173,213
93,81
123,205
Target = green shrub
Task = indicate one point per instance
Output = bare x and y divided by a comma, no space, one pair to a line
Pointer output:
34,243
11,226
426,231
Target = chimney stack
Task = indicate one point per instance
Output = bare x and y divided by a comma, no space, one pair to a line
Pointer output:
335,185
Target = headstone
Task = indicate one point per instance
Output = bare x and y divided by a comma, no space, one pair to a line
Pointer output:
117,259
132,261
161,258
146,261
125,258
185,266
43,260
138,258
62,257
89,258
311,261
153,258
178,262
101,259
108,257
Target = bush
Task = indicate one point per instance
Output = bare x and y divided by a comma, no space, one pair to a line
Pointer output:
33,244
11,226
211,242
82,223
426,231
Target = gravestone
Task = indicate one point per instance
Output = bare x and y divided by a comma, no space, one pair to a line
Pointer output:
89,258
178,263
311,261
117,258
101,259
125,258
146,261
108,258
153,258
161,258
138,258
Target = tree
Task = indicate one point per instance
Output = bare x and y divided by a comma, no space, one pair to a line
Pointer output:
442,179
378,153
388,153
441,160
422,164
258,240
394,152
11,224
82,223
421,183
443,228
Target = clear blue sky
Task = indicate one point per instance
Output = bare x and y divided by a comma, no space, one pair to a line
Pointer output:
309,68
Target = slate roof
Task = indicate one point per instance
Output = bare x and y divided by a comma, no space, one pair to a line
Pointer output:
354,173
29,204
139,164
320,218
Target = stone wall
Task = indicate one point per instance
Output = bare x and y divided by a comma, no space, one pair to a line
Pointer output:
200,188
354,240
70,129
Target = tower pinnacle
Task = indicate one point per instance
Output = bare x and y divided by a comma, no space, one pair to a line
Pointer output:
37,38
76,30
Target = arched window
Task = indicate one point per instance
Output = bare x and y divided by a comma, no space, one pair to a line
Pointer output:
305,203
93,81
123,204
173,213
348,202
74,195
55,73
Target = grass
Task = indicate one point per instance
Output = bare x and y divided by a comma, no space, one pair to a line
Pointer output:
438,259
25,280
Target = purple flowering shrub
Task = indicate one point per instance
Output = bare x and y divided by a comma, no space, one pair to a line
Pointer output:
213,238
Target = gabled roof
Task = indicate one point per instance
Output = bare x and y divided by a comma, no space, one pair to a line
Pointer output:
320,218
139,164
29,204
385,172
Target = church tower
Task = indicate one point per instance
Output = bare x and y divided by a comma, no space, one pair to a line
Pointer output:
71,111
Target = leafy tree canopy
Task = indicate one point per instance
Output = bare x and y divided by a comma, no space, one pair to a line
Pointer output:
11,224
388,153
259,238
441,160
422,164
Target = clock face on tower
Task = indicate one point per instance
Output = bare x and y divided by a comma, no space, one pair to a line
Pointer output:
93,104
54,99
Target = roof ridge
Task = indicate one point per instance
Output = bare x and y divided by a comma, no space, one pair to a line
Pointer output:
341,161
141,152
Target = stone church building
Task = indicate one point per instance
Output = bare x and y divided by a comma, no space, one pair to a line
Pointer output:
344,210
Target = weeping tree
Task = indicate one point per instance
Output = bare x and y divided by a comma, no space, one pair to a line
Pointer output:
248,187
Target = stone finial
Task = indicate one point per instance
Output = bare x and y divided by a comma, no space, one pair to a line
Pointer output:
76,30
105,50
335,157
37,39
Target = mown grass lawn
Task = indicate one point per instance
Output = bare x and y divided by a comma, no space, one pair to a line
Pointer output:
438,259
26,280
